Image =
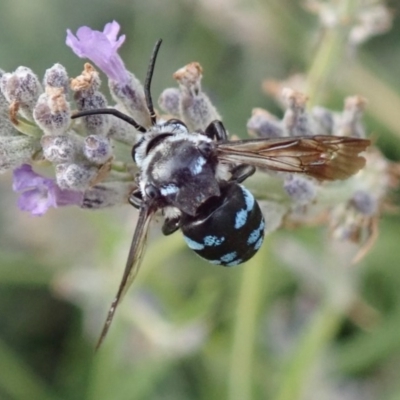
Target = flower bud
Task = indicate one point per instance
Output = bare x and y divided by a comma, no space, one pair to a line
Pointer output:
97,149
52,112
349,122
364,202
169,101
122,131
75,176
88,97
324,120
87,81
130,95
60,149
196,108
263,124
295,119
301,189
6,127
22,87
16,150
374,19
94,124
57,77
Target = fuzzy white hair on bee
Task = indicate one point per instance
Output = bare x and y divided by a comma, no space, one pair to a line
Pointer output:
195,179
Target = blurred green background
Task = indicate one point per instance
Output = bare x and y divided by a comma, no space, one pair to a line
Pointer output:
190,330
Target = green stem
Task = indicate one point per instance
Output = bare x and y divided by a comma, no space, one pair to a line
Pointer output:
324,62
330,51
318,334
28,128
244,331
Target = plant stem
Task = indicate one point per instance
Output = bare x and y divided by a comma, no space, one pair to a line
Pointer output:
244,331
330,51
318,334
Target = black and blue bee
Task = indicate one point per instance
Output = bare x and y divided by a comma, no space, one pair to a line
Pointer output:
195,178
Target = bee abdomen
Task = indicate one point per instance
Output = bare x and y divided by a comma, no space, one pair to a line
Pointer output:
228,229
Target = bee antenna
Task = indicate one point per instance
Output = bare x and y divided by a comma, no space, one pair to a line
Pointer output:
111,111
147,84
147,93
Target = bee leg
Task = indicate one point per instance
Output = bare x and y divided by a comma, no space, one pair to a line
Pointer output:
136,199
241,172
171,225
216,130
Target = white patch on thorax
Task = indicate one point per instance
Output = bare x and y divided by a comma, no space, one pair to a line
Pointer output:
169,189
171,212
197,167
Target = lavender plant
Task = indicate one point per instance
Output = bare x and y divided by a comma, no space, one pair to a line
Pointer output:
36,130
40,131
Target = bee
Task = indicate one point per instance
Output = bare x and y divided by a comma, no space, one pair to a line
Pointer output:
195,180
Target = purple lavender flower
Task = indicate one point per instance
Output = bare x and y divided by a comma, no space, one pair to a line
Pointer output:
101,48
38,193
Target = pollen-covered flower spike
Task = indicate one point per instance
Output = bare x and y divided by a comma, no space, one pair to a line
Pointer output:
38,194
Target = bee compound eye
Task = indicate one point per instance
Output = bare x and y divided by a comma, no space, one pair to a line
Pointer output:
205,149
151,191
175,126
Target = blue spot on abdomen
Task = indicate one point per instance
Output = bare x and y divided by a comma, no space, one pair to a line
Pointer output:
240,219
192,244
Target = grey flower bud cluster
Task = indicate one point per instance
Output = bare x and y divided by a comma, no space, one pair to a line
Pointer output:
297,121
22,87
351,208
15,148
189,103
371,19
36,125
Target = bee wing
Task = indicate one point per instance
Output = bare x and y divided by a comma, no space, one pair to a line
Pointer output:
133,263
322,157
